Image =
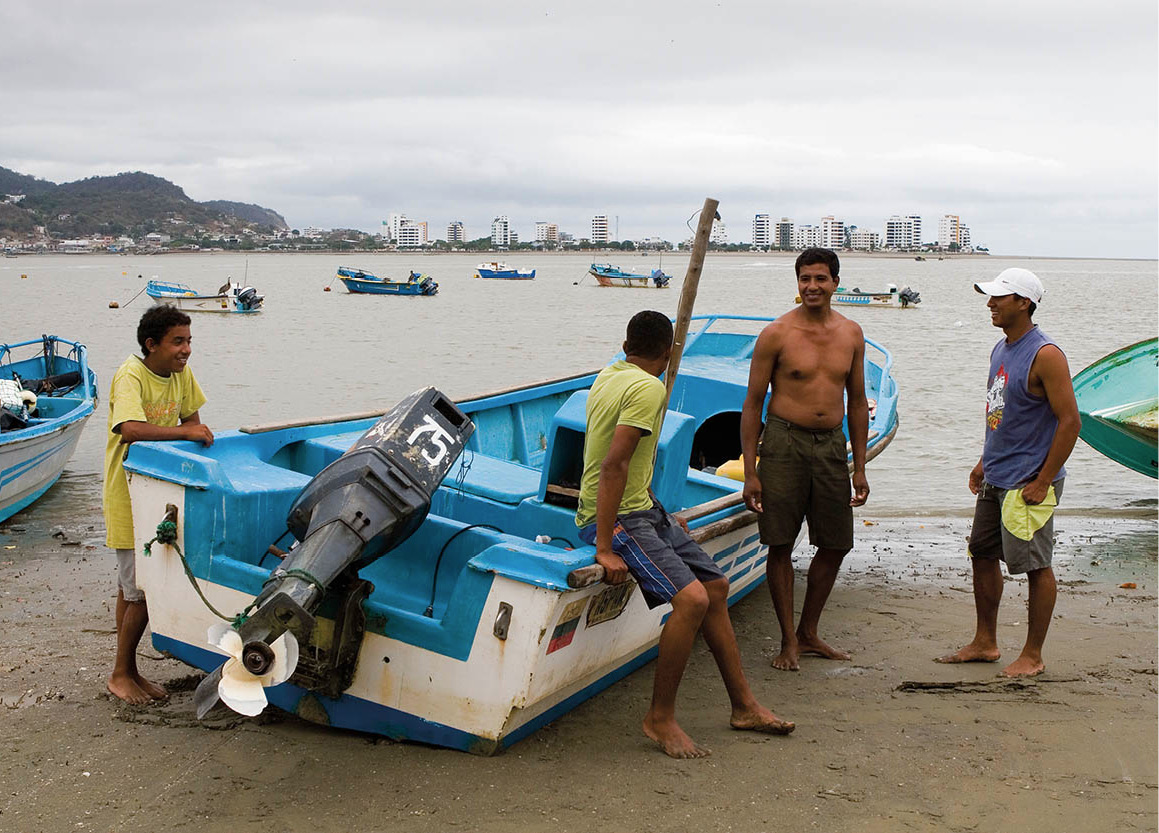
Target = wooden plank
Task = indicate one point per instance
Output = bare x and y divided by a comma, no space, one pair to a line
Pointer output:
554,489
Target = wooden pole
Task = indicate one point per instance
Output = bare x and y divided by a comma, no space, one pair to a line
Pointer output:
688,290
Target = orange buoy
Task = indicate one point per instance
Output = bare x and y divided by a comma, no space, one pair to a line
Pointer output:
114,305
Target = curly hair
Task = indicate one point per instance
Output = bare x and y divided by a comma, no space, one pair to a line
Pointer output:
156,322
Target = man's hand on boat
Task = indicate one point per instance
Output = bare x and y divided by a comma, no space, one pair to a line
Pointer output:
198,433
753,492
191,429
615,570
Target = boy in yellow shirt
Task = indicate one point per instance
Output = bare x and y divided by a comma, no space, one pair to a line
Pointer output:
151,398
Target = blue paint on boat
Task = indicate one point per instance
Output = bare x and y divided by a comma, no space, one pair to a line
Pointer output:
361,282
503,271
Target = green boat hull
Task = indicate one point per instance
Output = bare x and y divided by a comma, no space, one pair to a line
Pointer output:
1117,397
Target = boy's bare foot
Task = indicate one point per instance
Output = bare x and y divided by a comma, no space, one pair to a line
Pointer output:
1024,667
126,688
673,740
971,653
787,660
815,645
154,690
759,719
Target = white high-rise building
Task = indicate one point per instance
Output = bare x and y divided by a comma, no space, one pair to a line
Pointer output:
411,233
783,233
391,225
546,232
761,231
832,233
500,232
864,239
455,233
806,237
951,230
719,234
903,232
600,228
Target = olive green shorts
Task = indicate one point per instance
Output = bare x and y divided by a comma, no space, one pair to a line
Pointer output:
1005,527
804,475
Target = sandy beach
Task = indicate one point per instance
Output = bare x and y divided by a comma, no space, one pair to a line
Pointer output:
889,741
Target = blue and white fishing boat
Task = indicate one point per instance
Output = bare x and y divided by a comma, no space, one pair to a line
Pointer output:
358,281
45,400
1118,398
232,297
490,620
495,269
891,297
608,275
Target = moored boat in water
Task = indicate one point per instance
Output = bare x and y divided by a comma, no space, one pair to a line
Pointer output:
231,297
1118,399
607,274
45,400
891,297
358,281
489,621
496,269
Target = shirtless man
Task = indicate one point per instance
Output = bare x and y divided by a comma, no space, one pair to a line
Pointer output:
810,356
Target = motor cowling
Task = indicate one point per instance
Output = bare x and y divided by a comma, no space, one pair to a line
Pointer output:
909,296
249,298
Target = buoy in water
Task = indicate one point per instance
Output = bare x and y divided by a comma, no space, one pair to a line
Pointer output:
325,289
24,277
114,305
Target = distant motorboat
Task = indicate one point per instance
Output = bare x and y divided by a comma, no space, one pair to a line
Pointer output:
1118,398
231,297
360,282
495,269
608,275
889,298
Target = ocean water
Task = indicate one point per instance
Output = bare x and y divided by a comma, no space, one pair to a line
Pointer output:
312,353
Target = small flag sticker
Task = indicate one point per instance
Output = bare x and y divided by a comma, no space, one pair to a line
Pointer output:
564,632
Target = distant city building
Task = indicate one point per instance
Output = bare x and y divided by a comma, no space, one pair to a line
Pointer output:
546,232
455,233
599,229
903,232
951,230
832,233
783,233
864,239
762,234
513,239
391,226
806,236
500,232
411,233
566,238
657,243
719,234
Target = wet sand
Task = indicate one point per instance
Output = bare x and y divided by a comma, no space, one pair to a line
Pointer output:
877,748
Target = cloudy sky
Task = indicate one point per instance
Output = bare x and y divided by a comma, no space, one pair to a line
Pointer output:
1037,122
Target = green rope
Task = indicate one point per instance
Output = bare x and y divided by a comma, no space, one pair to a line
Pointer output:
296,573
167,534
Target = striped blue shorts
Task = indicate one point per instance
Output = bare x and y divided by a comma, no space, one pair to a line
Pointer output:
660,555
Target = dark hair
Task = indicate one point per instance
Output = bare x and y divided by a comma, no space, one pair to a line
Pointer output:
810,257
1030,310
649,335
157,321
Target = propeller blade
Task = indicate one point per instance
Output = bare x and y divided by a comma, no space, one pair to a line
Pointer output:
285,658
241,690
206,696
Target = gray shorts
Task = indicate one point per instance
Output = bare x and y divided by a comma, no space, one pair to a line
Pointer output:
127,576
1005,528
660,555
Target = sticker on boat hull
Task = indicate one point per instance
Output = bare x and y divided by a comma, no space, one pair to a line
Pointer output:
564,632
610,603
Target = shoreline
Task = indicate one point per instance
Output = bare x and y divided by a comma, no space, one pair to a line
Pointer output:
889,741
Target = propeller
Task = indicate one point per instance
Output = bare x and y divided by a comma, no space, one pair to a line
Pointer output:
234,683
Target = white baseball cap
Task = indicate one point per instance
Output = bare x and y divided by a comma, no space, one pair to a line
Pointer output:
1014,281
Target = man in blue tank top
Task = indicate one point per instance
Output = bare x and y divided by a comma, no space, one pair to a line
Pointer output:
1032,422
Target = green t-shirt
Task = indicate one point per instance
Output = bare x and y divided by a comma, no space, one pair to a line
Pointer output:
623,394
139,395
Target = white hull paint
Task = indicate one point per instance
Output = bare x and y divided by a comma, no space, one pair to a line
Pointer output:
28,467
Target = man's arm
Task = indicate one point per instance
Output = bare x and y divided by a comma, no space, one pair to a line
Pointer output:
132,431
760,377
858,414
1051,369
613,479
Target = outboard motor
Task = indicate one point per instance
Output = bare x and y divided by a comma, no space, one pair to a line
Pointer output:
248,298
659,278
909,296
358,508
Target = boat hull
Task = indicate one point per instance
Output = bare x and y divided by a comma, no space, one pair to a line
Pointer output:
1117,398
506,276
366,287
200,303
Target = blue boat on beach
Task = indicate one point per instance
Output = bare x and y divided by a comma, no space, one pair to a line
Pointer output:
1118,398
358,281
45,400
495,269
490,620
608,275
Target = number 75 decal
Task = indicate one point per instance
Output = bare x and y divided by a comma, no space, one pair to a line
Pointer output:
438,439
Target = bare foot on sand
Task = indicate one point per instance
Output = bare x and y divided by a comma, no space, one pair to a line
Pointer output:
760,719
126,689
157,692
787,659
673,740
1024,667
971,653
814,645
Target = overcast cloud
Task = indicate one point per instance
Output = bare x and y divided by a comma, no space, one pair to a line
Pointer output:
1036,122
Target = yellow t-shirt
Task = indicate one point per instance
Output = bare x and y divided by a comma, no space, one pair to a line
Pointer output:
139,395
623,394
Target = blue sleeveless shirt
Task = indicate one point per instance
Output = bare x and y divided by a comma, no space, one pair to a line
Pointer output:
1019,425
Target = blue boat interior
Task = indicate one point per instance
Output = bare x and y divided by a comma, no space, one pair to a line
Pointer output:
513,488
58,374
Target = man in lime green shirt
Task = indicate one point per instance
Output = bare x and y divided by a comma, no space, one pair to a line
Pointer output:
154,398
634,535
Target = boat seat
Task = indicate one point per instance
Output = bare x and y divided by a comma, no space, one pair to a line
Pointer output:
503,481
